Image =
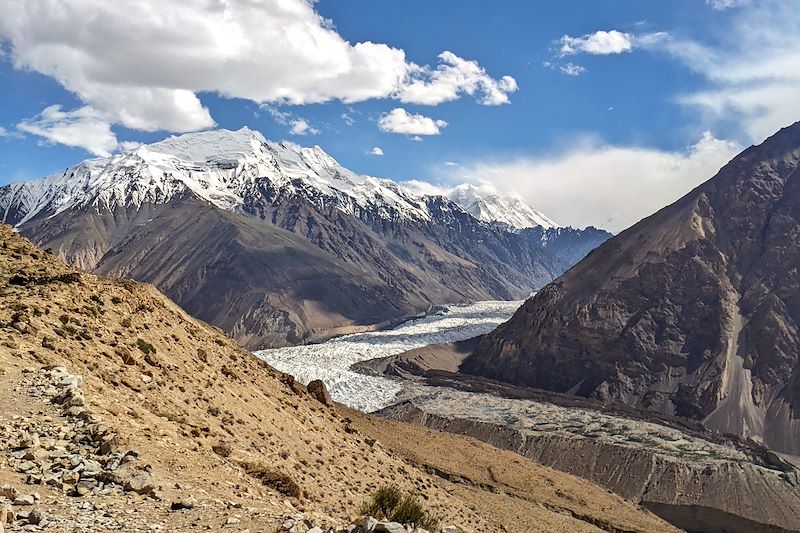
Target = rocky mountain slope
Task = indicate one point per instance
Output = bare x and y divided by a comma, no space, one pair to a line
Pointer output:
273,242
694,311
120,411
568,244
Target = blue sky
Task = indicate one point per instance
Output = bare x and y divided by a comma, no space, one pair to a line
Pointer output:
663,85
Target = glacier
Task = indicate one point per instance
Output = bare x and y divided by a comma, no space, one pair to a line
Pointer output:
331,361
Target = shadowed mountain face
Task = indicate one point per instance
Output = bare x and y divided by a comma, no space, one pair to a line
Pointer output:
274,243
694,311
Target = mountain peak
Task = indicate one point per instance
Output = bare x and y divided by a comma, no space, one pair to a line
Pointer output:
485,203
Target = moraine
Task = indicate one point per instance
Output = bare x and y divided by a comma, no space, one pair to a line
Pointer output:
331,361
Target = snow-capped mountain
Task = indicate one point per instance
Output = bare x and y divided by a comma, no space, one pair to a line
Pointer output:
222,167
272,242
486,204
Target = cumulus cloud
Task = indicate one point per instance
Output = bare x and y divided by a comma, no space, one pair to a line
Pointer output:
398,120
301,126
571,69
453,77
142,64
376,151
611,42
599,184
598,43
82,128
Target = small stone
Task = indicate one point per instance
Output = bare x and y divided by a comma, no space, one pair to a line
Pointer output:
315,530
70,382
232,520
24,499
30,441
36,517
368,523
186,503
223,448
85,486
27,466
8,492
7,515
71,477
146,378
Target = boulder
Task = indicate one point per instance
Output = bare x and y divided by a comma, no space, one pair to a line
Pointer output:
318,390
141,483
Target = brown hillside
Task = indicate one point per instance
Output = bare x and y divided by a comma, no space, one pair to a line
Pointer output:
173,389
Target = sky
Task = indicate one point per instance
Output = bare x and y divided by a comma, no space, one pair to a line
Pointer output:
594,111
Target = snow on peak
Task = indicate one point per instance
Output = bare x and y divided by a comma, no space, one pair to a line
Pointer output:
486,204
219,166
226,167
214,145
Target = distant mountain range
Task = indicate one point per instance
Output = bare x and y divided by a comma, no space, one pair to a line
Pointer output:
277,243
694,311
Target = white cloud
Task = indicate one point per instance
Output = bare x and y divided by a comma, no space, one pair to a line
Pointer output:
753,74
451,164
415,138
82,128
377,151
598,43
301,126
425,188
348,119
571,69
600,184
141,64
127,146
281,117
399,120
298,125
450,79
8,134
722,5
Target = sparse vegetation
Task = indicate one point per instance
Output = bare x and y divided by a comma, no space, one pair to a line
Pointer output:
275,480
145,346
390,503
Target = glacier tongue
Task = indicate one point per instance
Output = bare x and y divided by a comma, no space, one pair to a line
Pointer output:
331,361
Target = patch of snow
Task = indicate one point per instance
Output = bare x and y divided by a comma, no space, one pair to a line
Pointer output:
331,361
